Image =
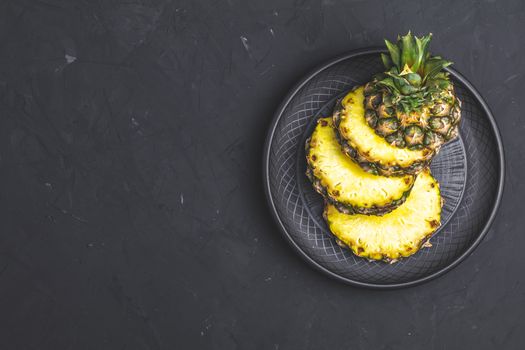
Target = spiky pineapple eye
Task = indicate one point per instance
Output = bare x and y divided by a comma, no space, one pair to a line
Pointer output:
396,139
387,99
433,139
441,125
387,126
441,109
385,111
373,101
371,118
414,135
453,133
435,123
369,89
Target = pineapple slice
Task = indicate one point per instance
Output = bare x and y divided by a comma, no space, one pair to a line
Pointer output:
344,183
370,150
397,234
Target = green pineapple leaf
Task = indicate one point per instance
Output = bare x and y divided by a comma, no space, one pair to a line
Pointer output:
414,79
401,83
388,83
413,76
408,50
422,51
394,54
434,65
387,62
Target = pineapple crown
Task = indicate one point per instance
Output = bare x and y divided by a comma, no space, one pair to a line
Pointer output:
413,76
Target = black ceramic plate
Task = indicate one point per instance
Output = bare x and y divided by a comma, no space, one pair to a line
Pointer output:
470,171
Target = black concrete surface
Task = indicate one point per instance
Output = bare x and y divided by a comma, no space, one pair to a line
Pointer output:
131,205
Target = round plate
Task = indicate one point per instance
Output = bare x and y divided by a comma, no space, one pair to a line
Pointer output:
470,171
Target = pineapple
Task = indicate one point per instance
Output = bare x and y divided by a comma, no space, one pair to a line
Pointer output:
344,183
371,151
397,234
412,104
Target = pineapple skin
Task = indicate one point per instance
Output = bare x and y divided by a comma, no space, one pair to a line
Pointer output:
412,103
365,158
435,124
325,129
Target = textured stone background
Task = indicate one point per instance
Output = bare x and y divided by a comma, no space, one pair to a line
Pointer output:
131,205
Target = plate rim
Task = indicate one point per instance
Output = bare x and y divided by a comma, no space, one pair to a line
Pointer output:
270,201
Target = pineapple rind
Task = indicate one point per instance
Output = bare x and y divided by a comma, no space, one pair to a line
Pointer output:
360,142
414,87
